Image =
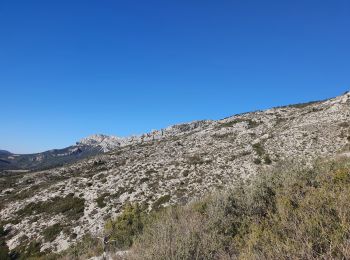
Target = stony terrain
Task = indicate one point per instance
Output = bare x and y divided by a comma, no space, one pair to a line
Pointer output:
58,206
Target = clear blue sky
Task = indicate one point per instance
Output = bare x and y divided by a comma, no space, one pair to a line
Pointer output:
69,69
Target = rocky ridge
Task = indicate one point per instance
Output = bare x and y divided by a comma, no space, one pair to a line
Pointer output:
86,147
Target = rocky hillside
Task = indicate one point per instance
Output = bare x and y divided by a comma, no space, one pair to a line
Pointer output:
56,207
86,147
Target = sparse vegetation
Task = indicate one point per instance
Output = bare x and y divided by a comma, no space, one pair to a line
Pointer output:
4,250
263,155
101,200
242,223
185,173
257,161
86,248
251,123
144,179
99,162
259,149
304,105
289,213
162,200
267,159
30,251
122,231
51,232
71,206
195,160
344,124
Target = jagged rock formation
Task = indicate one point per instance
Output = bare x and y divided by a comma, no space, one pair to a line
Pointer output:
164,167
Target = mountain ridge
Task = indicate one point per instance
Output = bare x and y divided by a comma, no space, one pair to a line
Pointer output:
86,147
100,143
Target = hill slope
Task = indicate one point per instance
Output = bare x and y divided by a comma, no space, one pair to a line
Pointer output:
166,167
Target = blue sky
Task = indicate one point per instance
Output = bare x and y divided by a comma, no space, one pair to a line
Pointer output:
69,69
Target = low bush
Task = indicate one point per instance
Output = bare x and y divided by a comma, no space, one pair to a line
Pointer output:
259,149
4,250
101,200
292,212
195,160
51,232
71,206
159,202
122,231
267,159
257,161
30,251
251,123
87,247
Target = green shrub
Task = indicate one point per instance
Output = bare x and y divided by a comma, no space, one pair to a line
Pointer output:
162,200
185,173
292,212
201,230
195,160
71,206
101,200
30,251
309,221
257,161
341,176
304,105
344,124
179,234
251,123
86,248
259,149
4,250
267,159
51,232
2,231
122,231
144,179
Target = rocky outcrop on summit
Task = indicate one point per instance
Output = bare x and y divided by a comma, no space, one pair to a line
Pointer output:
108,143
168,166
103,142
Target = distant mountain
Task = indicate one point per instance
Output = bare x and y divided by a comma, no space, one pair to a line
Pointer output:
3,152
90,146
48,159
